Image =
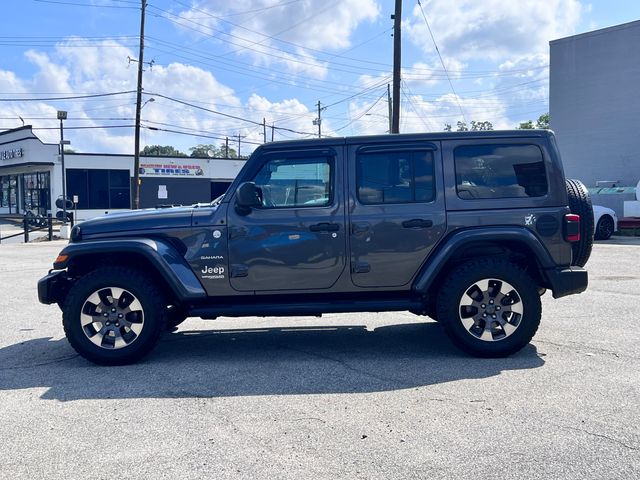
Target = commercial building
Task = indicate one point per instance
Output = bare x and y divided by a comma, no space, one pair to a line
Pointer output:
31,178
594,104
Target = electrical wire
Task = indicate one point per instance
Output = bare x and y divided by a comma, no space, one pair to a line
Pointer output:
74,97
442,61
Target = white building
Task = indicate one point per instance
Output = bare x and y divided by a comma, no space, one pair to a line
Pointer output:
594,104
31,178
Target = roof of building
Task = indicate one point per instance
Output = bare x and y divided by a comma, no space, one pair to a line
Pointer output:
601,31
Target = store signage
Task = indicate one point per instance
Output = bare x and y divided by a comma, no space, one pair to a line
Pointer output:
171,169
10,154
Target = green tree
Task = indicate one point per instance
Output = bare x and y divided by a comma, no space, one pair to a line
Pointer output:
210,150
475,126
481,126
542,123
528,125
161,151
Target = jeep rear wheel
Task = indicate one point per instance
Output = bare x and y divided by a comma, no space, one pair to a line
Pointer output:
580,204
112,316
489,307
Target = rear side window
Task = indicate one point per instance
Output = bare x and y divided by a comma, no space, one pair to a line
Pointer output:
500,171
395,177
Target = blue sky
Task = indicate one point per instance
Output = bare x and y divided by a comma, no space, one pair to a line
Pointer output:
275,59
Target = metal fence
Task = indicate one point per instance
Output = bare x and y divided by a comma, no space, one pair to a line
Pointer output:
29,223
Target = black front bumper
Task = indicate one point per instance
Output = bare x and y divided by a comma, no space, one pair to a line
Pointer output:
53,288
567,281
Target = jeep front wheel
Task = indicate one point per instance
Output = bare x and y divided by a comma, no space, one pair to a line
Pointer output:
112,316
489,307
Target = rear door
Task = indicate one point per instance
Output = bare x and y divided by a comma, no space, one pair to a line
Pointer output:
396,212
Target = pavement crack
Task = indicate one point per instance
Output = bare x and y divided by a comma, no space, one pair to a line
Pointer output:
586,348
50,362
598,435
342,363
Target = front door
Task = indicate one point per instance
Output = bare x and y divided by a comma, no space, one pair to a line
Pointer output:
296,240
397,211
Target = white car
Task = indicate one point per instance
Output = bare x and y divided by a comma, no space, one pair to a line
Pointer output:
605,221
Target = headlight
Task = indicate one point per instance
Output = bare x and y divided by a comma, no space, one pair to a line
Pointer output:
76,234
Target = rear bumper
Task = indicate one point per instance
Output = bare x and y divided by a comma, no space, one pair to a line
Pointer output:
567,281
53,287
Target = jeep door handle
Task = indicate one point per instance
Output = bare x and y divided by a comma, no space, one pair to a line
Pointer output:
325,227
417,223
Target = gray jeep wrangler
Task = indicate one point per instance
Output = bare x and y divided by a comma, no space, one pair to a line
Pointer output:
467,228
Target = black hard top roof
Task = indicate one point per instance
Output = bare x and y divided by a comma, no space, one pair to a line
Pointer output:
406,137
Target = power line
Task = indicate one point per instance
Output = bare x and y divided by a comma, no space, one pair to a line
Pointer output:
221,113
441,61
195,135
74,97
59,2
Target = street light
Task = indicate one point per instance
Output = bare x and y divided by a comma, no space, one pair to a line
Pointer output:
62,115
150,100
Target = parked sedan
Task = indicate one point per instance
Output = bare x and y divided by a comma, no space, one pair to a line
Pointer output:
605,221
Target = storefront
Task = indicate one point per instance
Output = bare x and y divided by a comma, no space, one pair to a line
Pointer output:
31,178
26,168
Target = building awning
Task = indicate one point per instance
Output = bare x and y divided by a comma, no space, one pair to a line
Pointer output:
24,167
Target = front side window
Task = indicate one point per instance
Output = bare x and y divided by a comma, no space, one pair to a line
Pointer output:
500,171
395,177
289,182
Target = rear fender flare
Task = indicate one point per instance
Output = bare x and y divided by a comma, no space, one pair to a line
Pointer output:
437,261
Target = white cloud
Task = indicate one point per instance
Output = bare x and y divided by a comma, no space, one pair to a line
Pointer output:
492,29
274,32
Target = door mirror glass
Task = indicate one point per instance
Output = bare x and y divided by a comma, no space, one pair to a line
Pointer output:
248,196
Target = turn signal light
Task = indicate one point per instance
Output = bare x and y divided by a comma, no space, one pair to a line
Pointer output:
61,258
572,227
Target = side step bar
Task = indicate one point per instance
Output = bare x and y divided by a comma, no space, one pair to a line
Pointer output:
302,309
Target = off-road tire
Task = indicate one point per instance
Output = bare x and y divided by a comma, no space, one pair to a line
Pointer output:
580,204
141,287
461,279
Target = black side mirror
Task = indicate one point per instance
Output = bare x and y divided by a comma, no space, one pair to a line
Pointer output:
248,196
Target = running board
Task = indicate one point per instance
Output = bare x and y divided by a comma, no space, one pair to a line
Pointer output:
315,309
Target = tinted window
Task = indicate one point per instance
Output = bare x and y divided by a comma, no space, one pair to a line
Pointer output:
295,182
99,189
500,171
395,177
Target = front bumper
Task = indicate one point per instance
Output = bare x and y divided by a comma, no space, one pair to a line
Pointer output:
53,287
567,281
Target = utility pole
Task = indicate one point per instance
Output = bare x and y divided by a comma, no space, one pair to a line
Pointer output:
390,106
136,153
226,147
397,46
264,129
318,121
62,115
238,145
273,130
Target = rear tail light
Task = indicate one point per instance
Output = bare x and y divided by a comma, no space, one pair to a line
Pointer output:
572,227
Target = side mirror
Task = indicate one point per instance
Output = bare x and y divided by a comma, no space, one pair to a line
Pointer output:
248,196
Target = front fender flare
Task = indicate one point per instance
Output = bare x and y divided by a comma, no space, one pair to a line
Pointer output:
170,264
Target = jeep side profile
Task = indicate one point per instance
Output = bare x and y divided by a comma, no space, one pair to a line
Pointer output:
469,228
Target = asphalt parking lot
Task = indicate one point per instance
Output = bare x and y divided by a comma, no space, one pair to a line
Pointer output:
344,396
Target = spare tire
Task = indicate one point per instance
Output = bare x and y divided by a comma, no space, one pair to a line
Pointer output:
580,204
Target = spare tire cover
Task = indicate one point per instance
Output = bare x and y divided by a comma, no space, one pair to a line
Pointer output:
580,204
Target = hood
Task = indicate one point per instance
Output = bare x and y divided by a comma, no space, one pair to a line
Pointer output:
149,219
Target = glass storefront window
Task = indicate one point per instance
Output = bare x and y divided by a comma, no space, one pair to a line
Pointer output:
8,193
